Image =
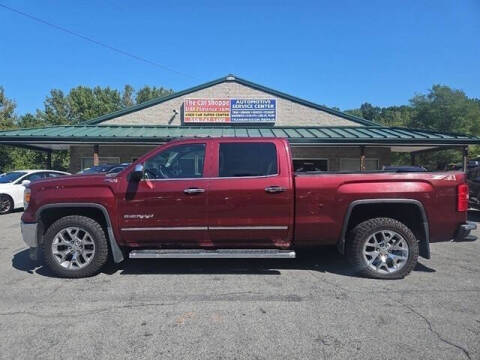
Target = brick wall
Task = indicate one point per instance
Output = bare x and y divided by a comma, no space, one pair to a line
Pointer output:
288,113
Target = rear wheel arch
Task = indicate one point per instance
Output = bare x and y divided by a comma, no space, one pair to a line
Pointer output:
48,214
408,211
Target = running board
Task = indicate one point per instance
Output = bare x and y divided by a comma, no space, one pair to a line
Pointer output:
212,254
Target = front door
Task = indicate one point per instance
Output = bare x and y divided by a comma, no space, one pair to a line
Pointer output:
251,198
168,207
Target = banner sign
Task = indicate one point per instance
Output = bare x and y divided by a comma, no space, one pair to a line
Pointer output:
230,111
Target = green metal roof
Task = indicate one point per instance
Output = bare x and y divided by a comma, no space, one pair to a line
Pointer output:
229,78
158,134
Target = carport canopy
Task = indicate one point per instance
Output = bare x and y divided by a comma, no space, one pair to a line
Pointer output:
396,138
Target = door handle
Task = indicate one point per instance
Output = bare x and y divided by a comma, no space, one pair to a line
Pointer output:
192,191
275,189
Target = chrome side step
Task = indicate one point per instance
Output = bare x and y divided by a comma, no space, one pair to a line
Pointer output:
212,254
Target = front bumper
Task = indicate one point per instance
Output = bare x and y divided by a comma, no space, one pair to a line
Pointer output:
463,232
29,234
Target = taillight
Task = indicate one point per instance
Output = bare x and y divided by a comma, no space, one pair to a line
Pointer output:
462,197
27,194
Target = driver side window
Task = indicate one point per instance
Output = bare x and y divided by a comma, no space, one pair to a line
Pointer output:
182,161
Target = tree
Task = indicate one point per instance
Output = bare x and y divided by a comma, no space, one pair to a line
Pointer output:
7,121
447,110
127,96
7,111
440,109
147,93
56,109
86,103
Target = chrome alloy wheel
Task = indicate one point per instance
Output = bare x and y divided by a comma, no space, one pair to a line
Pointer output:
385,252
73,248
4,204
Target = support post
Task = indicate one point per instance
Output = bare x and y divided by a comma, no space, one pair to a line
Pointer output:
362,158
96,160
465,158
412,159
49,159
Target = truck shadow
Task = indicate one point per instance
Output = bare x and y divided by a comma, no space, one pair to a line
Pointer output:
323,260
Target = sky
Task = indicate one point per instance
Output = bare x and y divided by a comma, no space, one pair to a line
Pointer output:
338,53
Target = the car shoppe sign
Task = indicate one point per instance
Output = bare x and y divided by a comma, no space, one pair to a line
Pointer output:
230,111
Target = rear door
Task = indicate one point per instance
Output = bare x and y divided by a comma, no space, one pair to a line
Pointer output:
250,198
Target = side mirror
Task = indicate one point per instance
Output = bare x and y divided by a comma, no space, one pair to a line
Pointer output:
137,173
26,182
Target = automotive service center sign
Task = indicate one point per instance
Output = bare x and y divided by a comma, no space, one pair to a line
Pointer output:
230,111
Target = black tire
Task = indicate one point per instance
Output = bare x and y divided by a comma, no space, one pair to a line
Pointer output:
362,233
6,204
94,229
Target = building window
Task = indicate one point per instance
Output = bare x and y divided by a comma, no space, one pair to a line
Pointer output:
247,159
353,164
87,162
306,165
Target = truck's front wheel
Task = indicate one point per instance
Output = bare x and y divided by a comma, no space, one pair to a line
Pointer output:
382,248
75,246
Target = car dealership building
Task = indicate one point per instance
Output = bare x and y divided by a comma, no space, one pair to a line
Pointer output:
321,138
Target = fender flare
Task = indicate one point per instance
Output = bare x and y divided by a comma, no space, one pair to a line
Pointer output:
424,245
117,253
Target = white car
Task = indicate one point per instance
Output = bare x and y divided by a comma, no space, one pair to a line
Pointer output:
12,186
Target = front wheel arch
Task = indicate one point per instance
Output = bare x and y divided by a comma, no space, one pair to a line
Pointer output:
49,213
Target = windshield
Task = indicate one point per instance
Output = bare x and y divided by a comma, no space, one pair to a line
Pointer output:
11,177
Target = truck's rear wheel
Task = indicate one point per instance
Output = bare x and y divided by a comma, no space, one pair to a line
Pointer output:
382,248
75,246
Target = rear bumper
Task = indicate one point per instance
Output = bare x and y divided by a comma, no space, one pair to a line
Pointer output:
463,232
29,234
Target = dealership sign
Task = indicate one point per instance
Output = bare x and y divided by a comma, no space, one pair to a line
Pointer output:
230,111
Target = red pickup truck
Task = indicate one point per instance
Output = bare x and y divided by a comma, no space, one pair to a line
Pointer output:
240,198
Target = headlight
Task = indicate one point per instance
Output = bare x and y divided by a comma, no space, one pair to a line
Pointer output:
27,194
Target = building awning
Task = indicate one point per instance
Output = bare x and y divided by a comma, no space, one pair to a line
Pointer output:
61,137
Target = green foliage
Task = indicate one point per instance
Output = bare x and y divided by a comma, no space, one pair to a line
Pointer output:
127,96
148,93
441,109
7,109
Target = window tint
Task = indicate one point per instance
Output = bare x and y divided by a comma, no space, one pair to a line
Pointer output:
35,176
183,161
247,159
11,177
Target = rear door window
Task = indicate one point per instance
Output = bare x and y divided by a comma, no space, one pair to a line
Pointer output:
247,159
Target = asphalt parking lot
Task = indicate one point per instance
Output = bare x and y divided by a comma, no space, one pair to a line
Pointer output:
308,308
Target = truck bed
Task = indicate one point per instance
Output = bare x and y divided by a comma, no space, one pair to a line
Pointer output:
323,198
